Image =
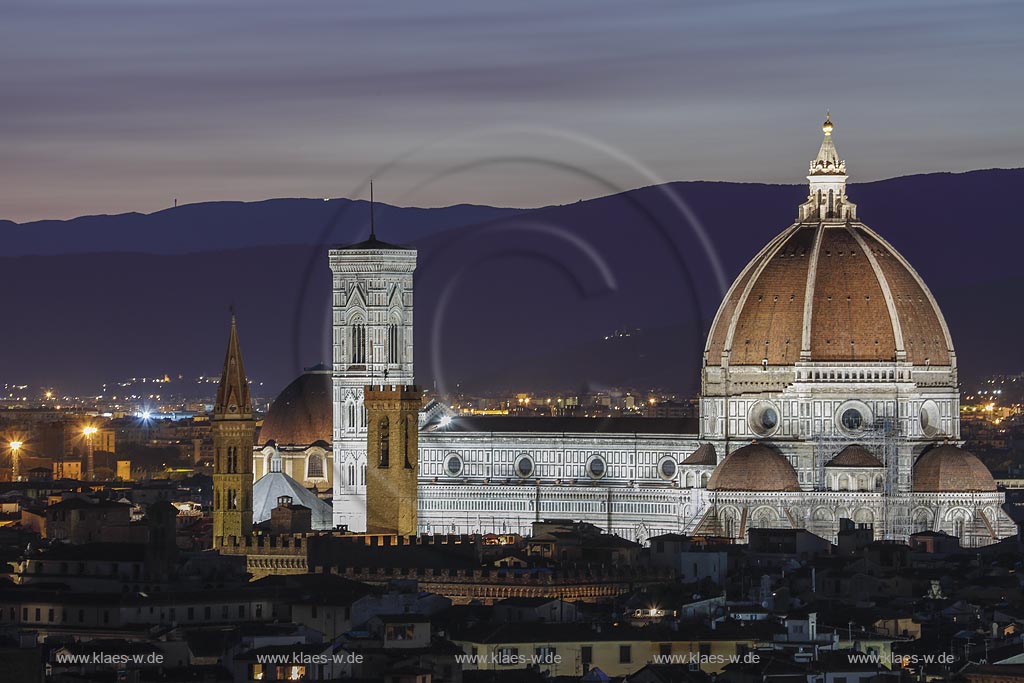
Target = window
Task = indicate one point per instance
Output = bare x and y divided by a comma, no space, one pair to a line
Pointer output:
315,466
546,655
596,467
587,655
668,468
665,649
524,466
852,419
508,656
394,350
410,426
625,654
453,464
351,424
384,438
357,339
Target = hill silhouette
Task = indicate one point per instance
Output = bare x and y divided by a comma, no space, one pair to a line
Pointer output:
505,298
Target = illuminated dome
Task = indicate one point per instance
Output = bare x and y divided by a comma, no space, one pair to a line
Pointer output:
950,468
828,289
754,467
302,413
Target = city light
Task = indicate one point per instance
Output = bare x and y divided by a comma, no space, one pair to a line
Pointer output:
445,421
89,431
15,445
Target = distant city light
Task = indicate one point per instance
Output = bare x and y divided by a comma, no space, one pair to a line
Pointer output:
15,445
446,420
89,431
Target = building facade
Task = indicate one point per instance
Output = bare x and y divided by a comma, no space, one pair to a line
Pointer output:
829,391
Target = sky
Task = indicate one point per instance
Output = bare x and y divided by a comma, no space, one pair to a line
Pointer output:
109,107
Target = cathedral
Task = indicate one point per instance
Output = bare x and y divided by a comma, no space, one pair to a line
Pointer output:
828,392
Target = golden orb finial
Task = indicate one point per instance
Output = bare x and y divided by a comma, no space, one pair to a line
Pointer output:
826,127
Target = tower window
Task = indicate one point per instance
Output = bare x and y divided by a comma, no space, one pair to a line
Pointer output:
394,355
358,340
385,442
351,426
409,427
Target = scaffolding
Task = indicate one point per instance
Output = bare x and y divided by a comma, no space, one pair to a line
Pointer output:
883,440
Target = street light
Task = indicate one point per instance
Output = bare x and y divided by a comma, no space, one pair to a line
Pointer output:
15,460
90,470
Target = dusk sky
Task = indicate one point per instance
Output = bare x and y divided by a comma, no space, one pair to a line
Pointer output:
111,107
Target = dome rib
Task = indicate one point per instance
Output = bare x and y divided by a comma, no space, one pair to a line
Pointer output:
759,264
812,278
883,282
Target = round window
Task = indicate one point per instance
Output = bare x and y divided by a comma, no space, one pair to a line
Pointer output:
453,464
931,419
668,468
852,419
763,418
524,466
596,467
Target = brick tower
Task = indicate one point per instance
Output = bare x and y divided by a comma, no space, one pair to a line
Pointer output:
392,449
234,431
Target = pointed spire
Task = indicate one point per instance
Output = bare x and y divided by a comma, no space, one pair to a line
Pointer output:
828,161
233,399
373,231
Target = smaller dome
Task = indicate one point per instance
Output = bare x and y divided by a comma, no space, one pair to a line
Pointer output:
302,414
950,468
754,467
854,456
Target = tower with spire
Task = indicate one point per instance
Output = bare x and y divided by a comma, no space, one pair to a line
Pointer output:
827,200
372,311
234,429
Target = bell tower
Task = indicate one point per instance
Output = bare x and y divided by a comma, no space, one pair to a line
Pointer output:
371,307
234,429
392,447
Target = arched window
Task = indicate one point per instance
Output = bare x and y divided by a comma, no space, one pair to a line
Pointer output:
357,341
315,466
958,527
350,424
410,425
394,347
385,442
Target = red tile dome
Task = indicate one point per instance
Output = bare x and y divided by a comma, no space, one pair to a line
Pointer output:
754,467
950,468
